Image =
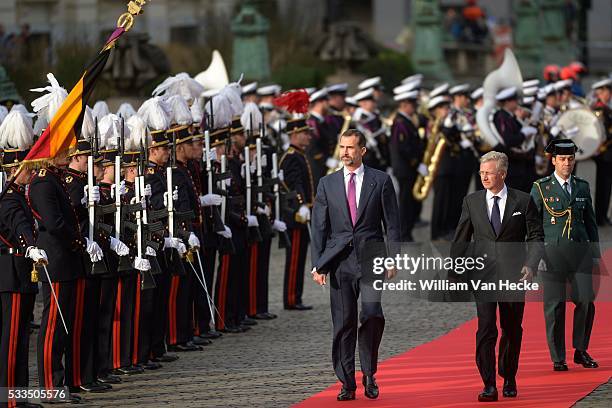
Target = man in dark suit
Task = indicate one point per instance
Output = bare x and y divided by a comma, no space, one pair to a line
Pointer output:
350,209
502,225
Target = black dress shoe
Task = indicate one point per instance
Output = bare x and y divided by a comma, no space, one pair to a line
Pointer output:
249,322
560,366
232,329
263,316
299,306
371,388
109,379
166,358
200,341
346,395
509,390
93,387
488,394
129,370
583,358
189,346
151,365
211,334
244,328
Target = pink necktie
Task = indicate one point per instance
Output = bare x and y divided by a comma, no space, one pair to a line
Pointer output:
352,198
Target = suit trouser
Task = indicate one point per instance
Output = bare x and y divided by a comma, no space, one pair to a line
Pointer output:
408,206
52,339
143,324
295,262
15,338
202,317
259,269
160,310
123,319
510,320
81,360
108,300
346,287
603,188
442,206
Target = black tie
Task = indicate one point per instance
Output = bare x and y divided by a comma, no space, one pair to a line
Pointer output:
495,216
566,188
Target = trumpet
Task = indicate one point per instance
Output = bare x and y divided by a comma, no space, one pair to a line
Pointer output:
436,144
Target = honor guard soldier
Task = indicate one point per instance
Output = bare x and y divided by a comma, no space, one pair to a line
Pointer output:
603,161
297,177
367,120
318,150
406,150
154,113
81,363
518,141
572,250
249,93
18,253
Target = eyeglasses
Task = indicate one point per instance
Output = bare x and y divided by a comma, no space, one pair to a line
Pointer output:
487,173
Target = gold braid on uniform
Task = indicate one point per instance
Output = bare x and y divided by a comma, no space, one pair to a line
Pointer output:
558,214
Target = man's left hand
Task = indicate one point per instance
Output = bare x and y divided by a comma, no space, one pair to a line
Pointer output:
527,273
391,273
320,278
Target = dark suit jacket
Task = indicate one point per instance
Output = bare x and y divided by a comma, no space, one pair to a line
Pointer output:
520,241
332,229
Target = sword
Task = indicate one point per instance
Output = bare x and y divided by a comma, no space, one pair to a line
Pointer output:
207,295
59,309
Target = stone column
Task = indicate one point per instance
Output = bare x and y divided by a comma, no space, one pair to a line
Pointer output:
427,54
527,38
556,48
250,52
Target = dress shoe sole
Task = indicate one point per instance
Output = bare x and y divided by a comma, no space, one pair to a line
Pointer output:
510,394
487,399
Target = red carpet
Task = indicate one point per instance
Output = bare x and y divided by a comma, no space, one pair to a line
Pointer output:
443,373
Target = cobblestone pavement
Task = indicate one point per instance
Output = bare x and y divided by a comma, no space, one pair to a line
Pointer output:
285,360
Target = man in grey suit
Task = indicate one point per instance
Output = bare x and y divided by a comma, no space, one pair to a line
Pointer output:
502,225
351,208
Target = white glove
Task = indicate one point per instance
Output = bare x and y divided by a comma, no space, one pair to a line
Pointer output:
331,163
213,154
227,233
448,121
94,250
193,241
143,204
171,243
554,131
36,254
147,191
467,128
422,169
252,220
465,144
181,248
264,160
281,175
119,247
279,226
122,189
175,194
142,264
304,213
529,131
264,211
210,200
150,251
95,195
228,182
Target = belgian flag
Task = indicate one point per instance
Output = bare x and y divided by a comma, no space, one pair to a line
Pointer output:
60,134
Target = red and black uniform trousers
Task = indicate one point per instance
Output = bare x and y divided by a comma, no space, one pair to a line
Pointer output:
295,262
259,270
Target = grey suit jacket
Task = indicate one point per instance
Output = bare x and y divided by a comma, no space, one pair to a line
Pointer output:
332,229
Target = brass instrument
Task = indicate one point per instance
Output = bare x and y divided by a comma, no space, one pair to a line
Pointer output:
345,126
436,145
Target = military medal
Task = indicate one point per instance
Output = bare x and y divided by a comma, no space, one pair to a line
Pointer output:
553,221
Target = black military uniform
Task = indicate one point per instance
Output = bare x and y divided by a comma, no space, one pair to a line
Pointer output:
81,367
318,150
17,290
60,236
298,178
603,161
406,151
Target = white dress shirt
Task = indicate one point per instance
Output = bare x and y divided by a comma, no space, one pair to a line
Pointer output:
503,195
358,181
561,182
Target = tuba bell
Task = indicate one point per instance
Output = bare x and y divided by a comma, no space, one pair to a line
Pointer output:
507,75
590,132
215,76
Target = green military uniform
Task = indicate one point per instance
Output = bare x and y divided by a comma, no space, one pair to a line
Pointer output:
570,235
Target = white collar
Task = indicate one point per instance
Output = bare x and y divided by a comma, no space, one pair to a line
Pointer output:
502,194
560,180
357,172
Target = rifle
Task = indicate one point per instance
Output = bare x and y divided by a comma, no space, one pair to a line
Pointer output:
283,237
253,232
99,267
172,254
147,281
124,262
149,228
264,221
